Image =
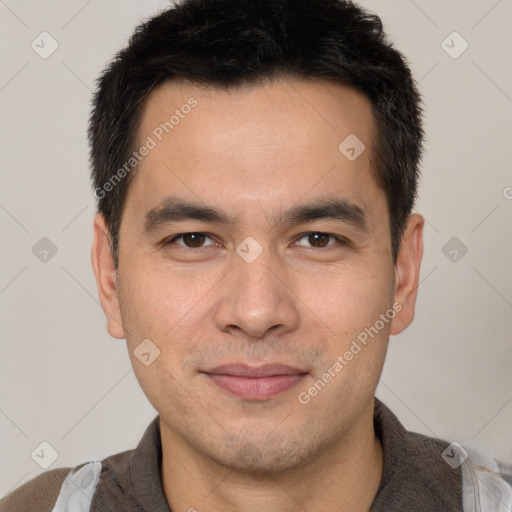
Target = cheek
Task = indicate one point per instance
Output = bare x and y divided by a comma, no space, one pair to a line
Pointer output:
169,309
160,302
156,300
152,309
351,304
347,298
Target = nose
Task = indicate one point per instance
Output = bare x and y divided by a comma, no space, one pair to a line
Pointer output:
257,298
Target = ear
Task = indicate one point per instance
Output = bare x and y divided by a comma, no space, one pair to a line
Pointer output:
106,276
407,272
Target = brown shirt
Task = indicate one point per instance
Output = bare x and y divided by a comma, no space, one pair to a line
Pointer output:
415,476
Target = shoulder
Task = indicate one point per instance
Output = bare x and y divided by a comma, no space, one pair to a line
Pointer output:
36,495
415,476
53,489
487,483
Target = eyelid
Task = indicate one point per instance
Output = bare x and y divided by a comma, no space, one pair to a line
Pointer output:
173,238
340,239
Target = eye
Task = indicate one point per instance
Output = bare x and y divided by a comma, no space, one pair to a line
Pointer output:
190,240
320,240
194,240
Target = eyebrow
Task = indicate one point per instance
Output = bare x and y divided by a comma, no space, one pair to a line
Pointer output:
173,209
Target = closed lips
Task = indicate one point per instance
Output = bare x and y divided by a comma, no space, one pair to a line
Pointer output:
241,370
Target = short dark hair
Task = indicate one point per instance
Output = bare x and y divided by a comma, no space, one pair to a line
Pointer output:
230,43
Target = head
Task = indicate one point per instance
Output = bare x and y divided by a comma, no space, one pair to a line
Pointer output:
285,138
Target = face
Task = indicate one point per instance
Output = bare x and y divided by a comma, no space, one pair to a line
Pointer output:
250,237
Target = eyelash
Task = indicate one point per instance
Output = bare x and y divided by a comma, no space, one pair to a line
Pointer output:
341,240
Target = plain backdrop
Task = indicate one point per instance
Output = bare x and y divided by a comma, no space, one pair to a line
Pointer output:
65,382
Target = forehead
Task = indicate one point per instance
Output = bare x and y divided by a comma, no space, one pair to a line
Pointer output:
266,144
310,111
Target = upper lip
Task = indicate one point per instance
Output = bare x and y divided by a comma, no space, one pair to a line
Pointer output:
243,370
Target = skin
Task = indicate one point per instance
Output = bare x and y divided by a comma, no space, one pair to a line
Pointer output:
255,152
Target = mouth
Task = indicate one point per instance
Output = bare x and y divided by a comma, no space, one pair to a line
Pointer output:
255,383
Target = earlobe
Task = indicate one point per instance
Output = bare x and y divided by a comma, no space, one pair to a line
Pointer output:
106,277
407,271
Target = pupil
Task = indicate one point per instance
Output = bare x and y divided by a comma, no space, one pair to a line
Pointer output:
195,239
315,239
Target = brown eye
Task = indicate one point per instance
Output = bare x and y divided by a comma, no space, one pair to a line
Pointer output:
190,240
193,239
319,240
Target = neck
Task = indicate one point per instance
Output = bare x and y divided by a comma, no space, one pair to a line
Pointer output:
344,477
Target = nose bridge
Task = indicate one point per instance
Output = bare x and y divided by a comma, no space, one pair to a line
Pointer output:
258,286
256,299
256,276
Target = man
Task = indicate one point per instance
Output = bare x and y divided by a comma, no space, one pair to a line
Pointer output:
256,165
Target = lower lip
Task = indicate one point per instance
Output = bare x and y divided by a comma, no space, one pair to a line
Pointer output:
255,388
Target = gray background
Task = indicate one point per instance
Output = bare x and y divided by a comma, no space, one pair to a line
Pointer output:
64,381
